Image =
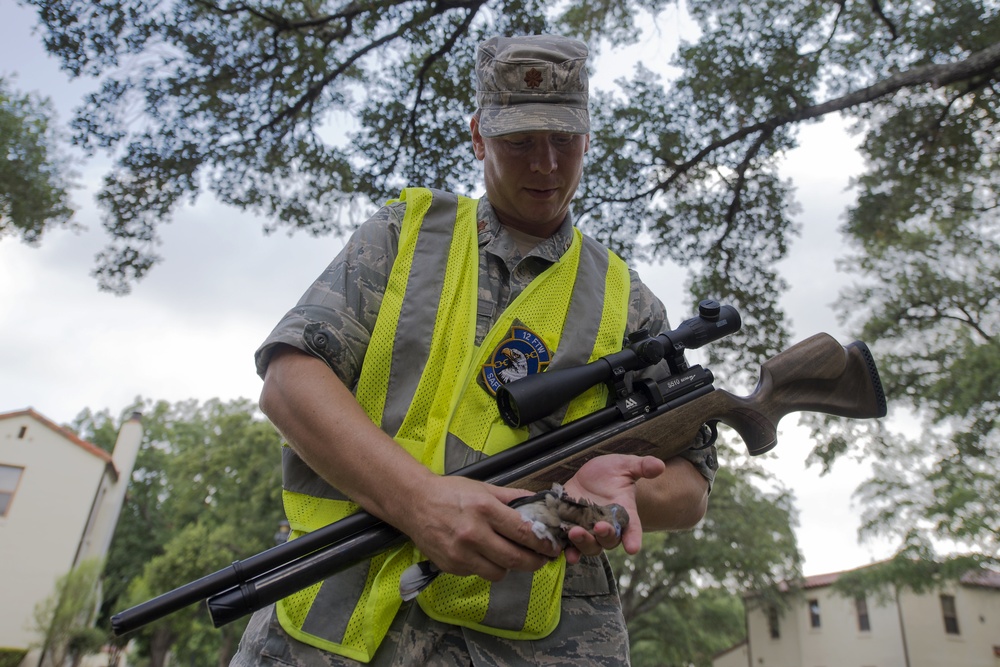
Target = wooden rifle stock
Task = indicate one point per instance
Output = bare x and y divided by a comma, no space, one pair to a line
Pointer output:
817,375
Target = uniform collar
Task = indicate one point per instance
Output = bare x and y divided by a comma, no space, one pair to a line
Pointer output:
494,238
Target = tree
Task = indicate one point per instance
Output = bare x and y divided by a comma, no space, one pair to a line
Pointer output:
204,492
34,175
64,619
697,627
927,252
680,580
302,110
187,635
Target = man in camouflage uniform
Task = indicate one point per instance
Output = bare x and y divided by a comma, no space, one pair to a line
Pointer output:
532,146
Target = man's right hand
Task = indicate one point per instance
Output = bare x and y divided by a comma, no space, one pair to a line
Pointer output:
465,527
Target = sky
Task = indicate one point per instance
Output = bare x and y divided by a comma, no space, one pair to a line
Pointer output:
190,328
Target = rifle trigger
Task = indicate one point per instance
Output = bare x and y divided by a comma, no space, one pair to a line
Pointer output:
709,438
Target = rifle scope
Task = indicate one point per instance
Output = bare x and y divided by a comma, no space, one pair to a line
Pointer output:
530,398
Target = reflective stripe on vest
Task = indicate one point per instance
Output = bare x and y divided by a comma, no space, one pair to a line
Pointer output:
420,383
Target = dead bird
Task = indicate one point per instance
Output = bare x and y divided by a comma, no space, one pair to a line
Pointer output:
551,514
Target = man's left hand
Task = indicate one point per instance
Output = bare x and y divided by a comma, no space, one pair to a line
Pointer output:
604,480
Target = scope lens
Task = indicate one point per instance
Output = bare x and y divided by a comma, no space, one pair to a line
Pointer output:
508,409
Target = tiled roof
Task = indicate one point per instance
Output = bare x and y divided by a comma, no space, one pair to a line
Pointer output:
983,578
66,433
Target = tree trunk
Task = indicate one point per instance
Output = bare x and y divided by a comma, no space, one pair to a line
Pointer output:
159,647
226,647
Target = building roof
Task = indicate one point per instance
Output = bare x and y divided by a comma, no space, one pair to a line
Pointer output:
735,647
89,447
821,580
816,580
983,578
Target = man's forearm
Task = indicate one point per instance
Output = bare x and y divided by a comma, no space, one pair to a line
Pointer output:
676,500
329,430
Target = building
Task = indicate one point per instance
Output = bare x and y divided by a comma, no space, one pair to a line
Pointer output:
957,626
737,655
60,498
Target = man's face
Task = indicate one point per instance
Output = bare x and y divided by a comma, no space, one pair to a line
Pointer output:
531,177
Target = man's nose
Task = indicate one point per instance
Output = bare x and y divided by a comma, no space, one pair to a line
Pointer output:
543,158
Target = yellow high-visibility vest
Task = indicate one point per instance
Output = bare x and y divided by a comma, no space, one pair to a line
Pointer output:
426,383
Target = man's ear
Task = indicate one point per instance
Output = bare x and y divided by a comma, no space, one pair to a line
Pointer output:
586,143
478,145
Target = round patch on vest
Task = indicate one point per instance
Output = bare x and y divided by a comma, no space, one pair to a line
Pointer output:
521,354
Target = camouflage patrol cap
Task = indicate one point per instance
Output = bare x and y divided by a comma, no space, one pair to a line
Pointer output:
532,83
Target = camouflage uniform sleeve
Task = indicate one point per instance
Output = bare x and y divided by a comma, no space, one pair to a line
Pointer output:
647,312
335,317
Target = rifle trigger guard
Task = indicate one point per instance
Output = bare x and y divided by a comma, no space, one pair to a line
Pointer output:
712,428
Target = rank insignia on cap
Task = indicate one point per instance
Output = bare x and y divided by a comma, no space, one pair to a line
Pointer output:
521,354
533,78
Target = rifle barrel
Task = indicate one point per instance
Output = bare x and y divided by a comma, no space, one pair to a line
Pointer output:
238,573
319,541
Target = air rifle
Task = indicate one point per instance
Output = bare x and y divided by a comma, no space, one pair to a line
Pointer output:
645,417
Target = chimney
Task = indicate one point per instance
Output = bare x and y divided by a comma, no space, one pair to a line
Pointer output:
110,496
127,447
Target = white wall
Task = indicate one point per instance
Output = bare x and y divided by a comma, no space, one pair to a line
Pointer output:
41,533
978,623
734,657
839,642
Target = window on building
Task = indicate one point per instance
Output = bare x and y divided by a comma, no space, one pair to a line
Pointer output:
861,606
814,613
9,477
950,614
772,622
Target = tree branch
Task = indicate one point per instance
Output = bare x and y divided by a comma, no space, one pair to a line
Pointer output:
876,6
981,63
281,23
737,190
429,61
314,91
